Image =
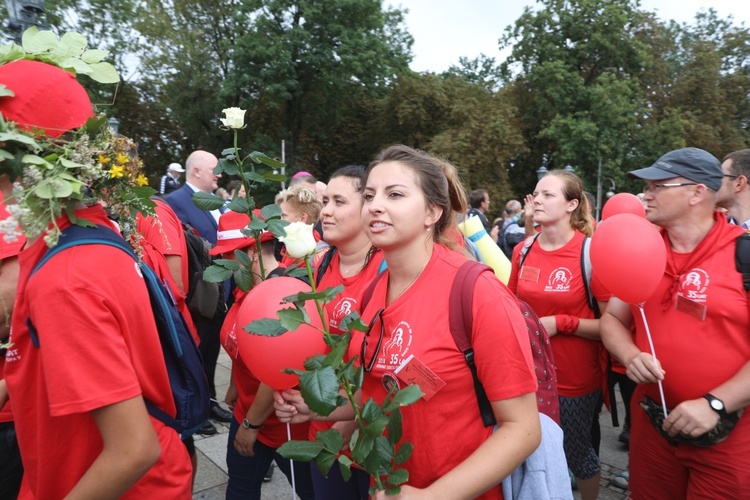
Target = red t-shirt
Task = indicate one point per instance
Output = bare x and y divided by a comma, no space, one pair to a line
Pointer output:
97,348
8,249
448,428
346,302
551,283
273,433
164,236
698,355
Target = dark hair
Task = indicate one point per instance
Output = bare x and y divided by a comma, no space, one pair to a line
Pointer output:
580,219
232,187
476,198
592,201
267,247
355,172
740,162
439,182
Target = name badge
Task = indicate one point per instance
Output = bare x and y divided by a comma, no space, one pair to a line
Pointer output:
230,345
529,273
690,307
413,371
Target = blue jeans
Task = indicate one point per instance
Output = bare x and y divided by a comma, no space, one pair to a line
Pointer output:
246,473
334,486
11,468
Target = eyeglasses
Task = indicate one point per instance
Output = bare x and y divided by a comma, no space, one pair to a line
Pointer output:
369,366
653,188
731,176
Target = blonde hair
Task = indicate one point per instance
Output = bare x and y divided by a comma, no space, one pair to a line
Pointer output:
440,186
302,199
581,218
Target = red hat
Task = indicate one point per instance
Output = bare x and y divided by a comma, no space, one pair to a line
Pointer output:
230,237
46,97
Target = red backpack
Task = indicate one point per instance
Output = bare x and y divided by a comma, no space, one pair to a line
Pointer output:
461,300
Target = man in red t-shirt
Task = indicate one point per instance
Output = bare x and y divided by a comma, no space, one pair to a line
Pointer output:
698,320
83,361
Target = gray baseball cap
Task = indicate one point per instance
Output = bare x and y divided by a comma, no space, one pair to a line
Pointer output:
691,163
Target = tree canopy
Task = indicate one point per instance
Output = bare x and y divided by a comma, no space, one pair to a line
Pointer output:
586,82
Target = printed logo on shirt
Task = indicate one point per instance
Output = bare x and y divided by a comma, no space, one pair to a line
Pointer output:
343,308
396,346
12,355
693,285
559,280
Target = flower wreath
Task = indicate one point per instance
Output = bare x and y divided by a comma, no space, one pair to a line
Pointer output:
53,147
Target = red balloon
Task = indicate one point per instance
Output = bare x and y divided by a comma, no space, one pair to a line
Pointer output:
267,357
628,256
623,203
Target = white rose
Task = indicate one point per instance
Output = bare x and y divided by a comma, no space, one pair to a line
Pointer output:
299,239
235,118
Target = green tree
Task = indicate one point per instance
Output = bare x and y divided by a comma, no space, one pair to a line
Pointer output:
576,69
303,65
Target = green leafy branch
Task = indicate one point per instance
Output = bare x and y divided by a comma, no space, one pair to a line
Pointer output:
68,53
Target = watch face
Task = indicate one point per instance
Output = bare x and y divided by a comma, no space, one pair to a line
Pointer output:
717,405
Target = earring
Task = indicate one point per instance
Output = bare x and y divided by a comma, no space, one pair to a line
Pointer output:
428,229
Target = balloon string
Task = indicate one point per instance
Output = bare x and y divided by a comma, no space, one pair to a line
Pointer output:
653,354
291,462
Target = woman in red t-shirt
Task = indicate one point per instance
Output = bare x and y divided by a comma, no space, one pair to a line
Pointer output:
351,261
551,282
410,205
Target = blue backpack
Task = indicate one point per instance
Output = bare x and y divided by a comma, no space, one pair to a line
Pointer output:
181,356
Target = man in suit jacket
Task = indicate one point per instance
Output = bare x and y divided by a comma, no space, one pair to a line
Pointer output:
200,177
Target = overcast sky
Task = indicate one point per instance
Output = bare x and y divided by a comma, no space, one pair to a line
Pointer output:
445,30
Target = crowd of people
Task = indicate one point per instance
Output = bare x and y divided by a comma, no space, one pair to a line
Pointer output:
83,360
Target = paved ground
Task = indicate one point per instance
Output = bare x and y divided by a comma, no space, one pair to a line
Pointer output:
211,480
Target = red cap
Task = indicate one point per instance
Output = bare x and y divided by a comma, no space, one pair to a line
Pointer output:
46,97
229,236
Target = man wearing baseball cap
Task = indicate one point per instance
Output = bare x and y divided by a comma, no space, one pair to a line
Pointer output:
699,323
171,180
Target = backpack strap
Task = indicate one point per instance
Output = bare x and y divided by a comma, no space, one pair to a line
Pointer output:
742,258
742,261
586,273
461,324
526,247
325,263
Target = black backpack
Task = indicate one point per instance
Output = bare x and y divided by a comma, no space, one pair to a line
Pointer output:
508,241
181,356
204,299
